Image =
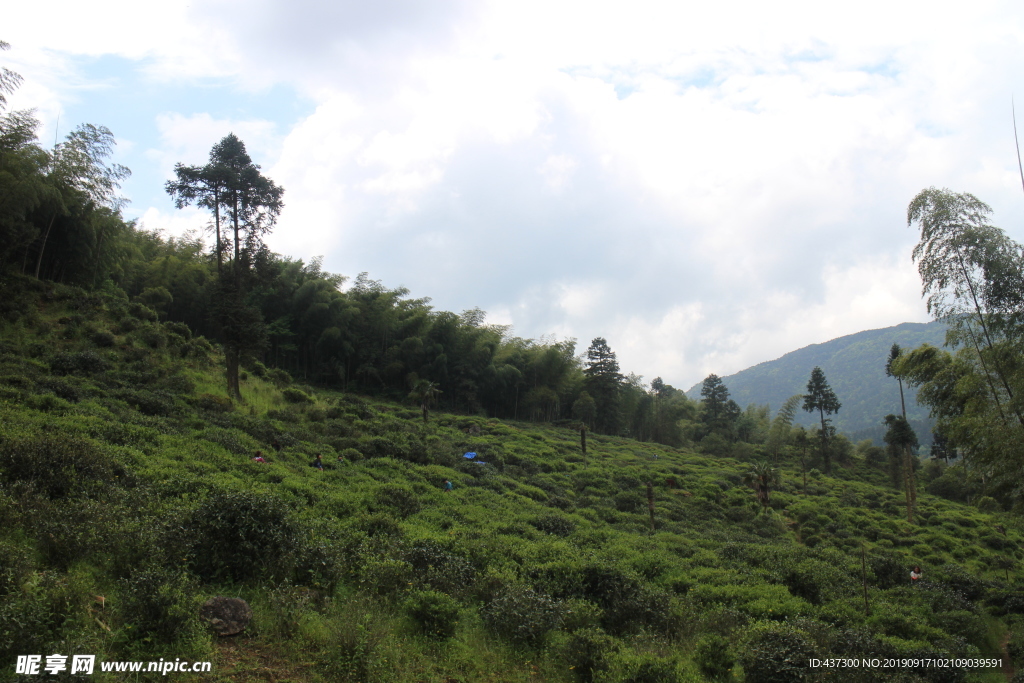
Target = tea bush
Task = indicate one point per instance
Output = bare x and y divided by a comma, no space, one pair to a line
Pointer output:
589,653
776,653
523,615
161,606
293,395
644,668
436,614
237,535
400,500
440,569
54,464
713,657
80,363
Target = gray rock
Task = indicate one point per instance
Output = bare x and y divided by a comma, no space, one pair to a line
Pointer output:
227,616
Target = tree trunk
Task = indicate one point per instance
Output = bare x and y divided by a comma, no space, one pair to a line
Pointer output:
46,236
650,503
824,443
583,444
231,362
216,227
988,338
903,403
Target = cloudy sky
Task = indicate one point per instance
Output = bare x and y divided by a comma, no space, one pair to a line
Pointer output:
706,185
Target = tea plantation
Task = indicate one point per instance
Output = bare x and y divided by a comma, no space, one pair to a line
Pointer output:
128,496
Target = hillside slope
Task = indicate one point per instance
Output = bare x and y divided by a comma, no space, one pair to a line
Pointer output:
855,368
126,473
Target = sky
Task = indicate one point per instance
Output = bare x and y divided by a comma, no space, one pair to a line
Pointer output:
705,185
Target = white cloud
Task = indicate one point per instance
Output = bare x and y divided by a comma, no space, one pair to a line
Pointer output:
705,185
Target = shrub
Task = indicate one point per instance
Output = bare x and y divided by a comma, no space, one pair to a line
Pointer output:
35,617
62,389
160,605
554,524
103,339
127,324
1015,647
233,440
385,576
214,403
153,337
238,535
279,377
988,504
180,329
890,569
55,464
142,312
48,403
588,652
257,368
645,668
82,363
440,569
523,615
293,395
712,656
776,653
351,454
399,499
148,402
435,613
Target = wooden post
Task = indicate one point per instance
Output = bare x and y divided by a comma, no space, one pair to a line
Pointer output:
650,503
864,578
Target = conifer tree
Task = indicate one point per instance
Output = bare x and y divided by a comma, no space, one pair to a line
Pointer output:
901,438
603,383
821,398
252,203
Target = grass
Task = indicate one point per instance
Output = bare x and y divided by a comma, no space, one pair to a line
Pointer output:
155,441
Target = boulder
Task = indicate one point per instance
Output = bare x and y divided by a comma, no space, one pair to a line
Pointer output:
227,616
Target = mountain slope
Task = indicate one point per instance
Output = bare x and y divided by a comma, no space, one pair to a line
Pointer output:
855,368
129,495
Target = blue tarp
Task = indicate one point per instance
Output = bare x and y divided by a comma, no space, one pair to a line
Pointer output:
469,456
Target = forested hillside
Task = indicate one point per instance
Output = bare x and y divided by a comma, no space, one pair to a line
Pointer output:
127,472
406,494
855,365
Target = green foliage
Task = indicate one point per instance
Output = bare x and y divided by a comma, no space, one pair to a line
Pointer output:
293,395
159,606
55,465
713,657
536,547
237,536
645,668
589,653
436,614
523,615
776,653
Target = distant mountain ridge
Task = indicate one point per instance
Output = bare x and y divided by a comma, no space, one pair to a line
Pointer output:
855,368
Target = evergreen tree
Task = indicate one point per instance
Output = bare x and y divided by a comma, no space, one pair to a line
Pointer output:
901,439
780,432
821,398
894,355
720,411
603,382
205,186
252,202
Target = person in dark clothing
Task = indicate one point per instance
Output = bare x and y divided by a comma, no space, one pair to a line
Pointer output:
318,463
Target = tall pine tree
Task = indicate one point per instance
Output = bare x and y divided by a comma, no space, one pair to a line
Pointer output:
603,382
820,397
